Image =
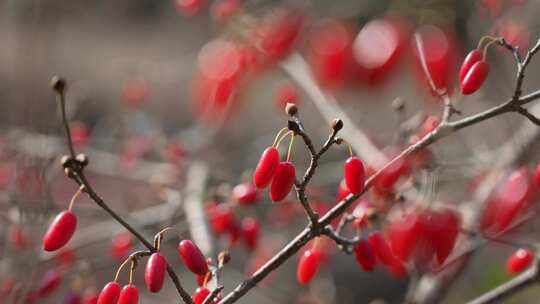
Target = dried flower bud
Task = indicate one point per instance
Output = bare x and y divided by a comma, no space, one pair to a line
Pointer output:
291,109
66,161
58,84
82,159
338,140
337,124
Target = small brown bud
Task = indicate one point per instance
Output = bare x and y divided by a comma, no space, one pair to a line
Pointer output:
337,124
338,140
82,159
291,109
58,84
224,257
69,172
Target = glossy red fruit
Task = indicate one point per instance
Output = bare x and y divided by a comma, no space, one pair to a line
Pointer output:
444,228
49,283
397,269
329,46
519,260
121,244
381,248
308,266
60,231
355,175
475,77
264,172
250,231
129,295
200,294
473,57
536,177
364,255
377,48
192,257
435,52
221,217
404,233
283,181
512,197
245,194
154,274
109,294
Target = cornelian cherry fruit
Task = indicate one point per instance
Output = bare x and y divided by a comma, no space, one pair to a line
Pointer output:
519,260
264,172
364,255
154,274
90,297
381,248
473,57
192,257
60,231
129,295
283,181
121,244
307,266
245,194
109,294
354,174
200,295
475,77
536,177
49,283
285,93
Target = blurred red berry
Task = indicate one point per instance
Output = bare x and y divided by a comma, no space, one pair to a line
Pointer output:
250,232
285,92
221,10
365,256
519,260
245,194
49,283
134,92
80,133
189,7
121,245
380,247
200,295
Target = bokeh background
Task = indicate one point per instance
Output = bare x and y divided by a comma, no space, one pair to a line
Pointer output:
158,146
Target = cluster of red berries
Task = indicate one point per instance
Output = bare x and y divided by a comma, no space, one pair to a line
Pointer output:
154,275
474,70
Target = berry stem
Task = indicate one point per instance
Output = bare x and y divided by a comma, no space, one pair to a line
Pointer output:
282,138
484,38
120,268
159,236
75,196
289,151
278,135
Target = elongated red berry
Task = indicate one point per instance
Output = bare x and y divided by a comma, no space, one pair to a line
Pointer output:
381,249
129,295
475,77
60,231
200,294
445,230
245,194
354,174
404,234
473,57
519,260
109,294
192,257
536,177
308,265
283,181
90,297
50,281
266,167
364,255
154,274
250,232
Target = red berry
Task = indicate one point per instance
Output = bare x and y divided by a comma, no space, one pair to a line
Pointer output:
200,278
60,231
245,194
329,50
50,281
121,244
250,232
404,234
381,249
192,257
444,227
264,172
277,32
65,257
475,77
109,294
189,7
221,10
390,175
397,269
79,133
364,255
283,181
200,295
435,54
18,237
221,217
129,295
473,57
308,266
377,48
354,174
519,260
154,274
134,92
